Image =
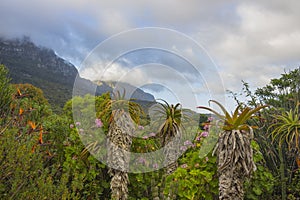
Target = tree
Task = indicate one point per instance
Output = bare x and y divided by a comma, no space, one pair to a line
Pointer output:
234,152
121,115
169,131
283,92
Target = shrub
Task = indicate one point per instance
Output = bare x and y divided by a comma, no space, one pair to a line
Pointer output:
5,95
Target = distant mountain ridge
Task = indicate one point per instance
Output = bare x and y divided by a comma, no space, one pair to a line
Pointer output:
41,67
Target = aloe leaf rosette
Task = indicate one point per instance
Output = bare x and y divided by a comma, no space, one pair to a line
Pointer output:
234,152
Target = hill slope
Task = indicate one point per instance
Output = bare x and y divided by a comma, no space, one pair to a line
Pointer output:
41,67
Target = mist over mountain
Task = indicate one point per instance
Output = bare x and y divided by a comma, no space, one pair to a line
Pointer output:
41,67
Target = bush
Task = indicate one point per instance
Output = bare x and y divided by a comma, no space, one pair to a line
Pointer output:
5,95
261,184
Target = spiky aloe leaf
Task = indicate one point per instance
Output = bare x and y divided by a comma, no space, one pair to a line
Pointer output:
235,121
228,118
213,111
286,128
246,115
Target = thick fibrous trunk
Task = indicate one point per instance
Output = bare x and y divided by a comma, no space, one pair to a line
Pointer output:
172,150
235,162
230,186
119,143
118,185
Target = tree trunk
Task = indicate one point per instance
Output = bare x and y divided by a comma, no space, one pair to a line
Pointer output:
119,143
235,162
230,186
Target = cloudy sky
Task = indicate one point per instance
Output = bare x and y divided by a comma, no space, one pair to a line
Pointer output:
239,40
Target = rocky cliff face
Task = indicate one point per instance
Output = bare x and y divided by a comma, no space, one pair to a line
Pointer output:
40,66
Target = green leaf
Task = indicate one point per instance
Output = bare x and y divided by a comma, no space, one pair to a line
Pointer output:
208,175
257,191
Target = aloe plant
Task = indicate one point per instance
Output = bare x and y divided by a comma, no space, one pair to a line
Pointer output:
124,115
235,155
286,129
121,117
169,130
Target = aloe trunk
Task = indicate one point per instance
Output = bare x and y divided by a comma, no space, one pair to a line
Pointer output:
171,150
119,144
235,161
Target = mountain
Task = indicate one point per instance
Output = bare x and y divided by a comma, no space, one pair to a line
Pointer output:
41,67
130,91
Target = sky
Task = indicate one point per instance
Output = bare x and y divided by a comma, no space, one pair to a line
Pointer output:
199,49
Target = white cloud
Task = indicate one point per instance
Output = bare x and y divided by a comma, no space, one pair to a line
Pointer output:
104,71
260,46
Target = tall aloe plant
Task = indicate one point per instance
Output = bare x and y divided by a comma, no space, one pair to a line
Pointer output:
120,116
169,131
286,129
119,143
235,155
